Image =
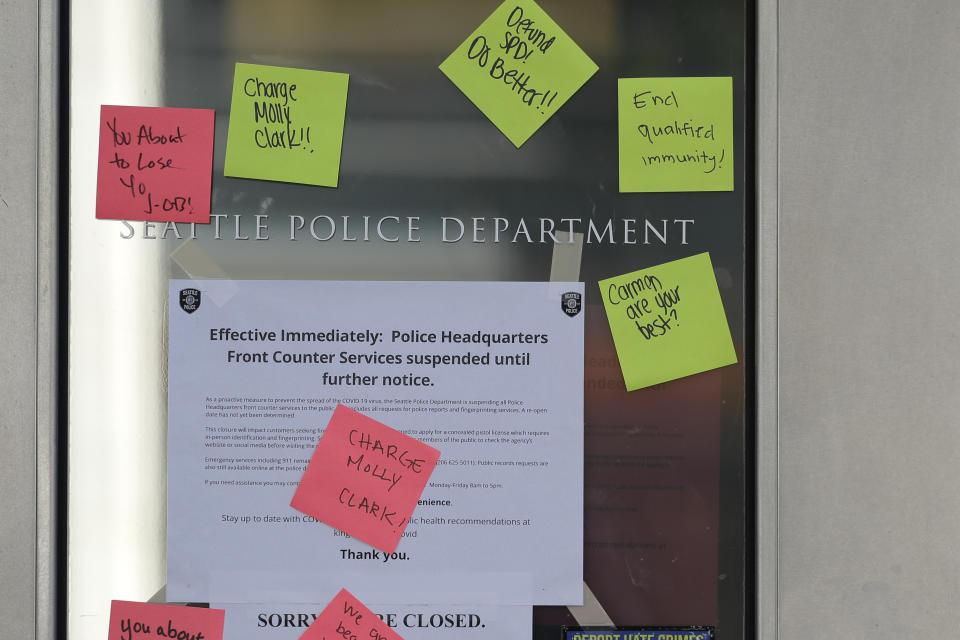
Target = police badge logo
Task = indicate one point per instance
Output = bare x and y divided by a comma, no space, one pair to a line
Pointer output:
189,300
570,303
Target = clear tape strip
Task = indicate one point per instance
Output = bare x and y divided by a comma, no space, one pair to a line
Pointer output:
197,263
565,266
592,612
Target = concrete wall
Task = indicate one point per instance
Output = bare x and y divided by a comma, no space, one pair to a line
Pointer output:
869,341
18,316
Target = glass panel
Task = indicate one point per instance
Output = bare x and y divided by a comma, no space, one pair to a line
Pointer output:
665,509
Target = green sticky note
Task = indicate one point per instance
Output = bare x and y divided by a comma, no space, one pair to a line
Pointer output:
519,68
286,124
667,321
676,134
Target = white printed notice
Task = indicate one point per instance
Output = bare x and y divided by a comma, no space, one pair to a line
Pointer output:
288,622
490,374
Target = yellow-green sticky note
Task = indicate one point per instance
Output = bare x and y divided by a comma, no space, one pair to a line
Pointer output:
519,68
676,134
286,124
667,321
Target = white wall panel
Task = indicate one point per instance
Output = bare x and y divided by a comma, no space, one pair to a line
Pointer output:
869,368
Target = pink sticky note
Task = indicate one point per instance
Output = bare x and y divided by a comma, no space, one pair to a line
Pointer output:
133,620
346,618
365,478
155,163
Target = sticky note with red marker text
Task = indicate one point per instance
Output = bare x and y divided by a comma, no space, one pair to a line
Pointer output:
155,163
347,617
133,620
365,478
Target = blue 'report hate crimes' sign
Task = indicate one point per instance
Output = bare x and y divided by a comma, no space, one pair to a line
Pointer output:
639,633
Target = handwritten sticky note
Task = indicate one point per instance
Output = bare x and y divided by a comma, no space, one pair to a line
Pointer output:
667,321
286,124
676,134
155,163
365,478
347,618
140,620
519,68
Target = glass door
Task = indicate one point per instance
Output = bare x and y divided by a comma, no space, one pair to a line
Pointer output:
666,509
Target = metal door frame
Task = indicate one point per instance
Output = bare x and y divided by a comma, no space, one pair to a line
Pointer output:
32,251
29,46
